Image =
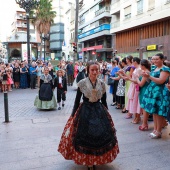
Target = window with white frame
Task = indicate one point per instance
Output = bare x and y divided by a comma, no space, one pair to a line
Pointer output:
151,4
139,6
127,12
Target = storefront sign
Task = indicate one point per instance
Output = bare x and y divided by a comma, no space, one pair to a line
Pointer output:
151,47
92,48
95,30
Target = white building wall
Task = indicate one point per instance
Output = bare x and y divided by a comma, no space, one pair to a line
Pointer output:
161,10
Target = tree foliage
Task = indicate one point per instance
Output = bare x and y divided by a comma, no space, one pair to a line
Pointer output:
44,16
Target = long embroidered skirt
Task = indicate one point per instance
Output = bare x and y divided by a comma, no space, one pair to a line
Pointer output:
89,137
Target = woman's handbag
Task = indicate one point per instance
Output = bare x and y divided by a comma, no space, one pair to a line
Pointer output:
110,81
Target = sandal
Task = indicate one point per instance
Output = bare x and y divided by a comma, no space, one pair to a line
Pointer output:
136,121
124,110
143,128
156,135
128,116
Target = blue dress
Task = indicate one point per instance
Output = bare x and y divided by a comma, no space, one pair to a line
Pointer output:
156,99
23,79
113,74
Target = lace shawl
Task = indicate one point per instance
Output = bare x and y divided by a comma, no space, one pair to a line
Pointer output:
45,78
93,94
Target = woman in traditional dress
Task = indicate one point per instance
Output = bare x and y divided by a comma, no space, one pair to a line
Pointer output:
89,137
156,99
46,98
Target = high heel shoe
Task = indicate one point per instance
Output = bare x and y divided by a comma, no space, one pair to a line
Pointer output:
143,128
156,135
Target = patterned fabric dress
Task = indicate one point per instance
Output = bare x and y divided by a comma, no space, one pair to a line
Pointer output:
89,137
156,99
142,90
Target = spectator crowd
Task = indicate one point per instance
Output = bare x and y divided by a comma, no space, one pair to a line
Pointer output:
141,88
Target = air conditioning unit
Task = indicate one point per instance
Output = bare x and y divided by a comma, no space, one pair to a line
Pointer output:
20,15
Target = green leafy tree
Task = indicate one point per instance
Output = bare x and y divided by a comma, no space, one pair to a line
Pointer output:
44,17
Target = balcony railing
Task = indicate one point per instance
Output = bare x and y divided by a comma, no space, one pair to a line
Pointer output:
115,24
102,10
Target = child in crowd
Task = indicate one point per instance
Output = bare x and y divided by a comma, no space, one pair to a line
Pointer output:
9,80
61,83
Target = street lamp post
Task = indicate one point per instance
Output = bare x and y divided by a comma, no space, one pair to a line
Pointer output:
28,5
44,38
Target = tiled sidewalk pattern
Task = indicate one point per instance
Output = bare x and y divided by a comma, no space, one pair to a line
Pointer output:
30,140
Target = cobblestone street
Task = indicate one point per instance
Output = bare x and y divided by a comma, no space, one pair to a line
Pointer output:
30,140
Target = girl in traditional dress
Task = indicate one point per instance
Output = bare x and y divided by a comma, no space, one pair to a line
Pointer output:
89,137
45,99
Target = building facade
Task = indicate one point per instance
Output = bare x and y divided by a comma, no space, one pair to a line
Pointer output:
140,27
69,31
57,30
95,39
16,43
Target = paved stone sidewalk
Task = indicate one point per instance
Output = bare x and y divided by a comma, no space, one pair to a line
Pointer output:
30,140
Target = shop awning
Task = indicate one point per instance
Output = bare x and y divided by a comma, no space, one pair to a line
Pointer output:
92,48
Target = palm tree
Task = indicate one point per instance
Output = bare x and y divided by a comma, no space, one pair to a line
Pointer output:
44,17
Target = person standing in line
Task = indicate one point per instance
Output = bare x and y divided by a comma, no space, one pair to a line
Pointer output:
16,75
33,75
23,76
89,137
81,72
133,105
61,83
76,69
113,73
39,72
70,73
156,99
143,82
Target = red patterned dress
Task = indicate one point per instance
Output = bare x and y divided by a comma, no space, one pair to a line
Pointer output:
89,137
